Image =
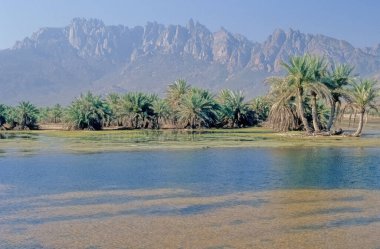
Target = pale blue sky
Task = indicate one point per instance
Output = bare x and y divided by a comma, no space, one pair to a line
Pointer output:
357,21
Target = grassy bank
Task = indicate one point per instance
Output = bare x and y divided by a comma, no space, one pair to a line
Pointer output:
30,142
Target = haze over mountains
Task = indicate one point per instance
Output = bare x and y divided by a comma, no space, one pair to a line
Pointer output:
55,65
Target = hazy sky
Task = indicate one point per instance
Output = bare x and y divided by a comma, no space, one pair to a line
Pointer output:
357,21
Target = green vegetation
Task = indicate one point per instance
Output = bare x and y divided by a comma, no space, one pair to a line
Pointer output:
362,98
22,117
311,96
87,112
236,112
51,114
50,141
300,98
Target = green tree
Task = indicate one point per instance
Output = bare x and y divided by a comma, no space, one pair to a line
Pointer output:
11,116
87,112
57,113
316,87
261,106
26,115
161,111
44,115
198,108
114,102
234,110
138,107
303,75
362,97
339,77
176,91
3,117
50,114
283,112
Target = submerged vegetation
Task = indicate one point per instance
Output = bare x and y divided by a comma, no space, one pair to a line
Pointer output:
311,96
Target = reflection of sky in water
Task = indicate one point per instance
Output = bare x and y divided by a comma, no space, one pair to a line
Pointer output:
257,188
211,171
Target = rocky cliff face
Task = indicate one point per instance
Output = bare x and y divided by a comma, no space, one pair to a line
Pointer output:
281,45
87,54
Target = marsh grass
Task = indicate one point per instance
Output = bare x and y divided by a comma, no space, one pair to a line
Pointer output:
46,141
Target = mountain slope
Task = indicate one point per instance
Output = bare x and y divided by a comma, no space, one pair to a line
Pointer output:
56,64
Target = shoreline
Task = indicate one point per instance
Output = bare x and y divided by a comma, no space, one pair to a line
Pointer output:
106,141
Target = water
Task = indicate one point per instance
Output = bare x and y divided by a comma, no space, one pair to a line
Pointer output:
64,195
209,171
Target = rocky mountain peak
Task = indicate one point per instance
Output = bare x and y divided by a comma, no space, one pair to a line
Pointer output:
89,53
231,49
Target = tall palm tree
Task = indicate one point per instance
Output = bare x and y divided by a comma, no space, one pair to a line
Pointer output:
198,108
26,115
302,76
283,113
339,77
298,75
318,67
362,97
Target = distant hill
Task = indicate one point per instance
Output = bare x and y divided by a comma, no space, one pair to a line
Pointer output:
55,64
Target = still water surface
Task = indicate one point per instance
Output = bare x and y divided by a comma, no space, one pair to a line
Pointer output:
211,198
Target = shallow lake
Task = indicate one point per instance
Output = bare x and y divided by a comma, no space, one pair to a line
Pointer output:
200,198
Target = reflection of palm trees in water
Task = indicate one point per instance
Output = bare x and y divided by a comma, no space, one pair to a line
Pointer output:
322,167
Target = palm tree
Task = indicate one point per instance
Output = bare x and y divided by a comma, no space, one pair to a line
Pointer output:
283,115
316,88
114,102
161,111
261,106
3,118
298,74
87,112
303,75
323,114
198,108
44,115
339,77
233,108
362,97
57,113
26,115
138,106
176,91
11,116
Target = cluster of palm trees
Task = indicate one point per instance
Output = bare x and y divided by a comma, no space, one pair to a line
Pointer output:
23,116
311,94
183,107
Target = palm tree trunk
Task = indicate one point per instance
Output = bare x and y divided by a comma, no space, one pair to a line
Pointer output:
136,121
360,126
314,112
302,111
332,116
233,121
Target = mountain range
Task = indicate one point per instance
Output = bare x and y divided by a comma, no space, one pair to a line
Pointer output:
54,65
